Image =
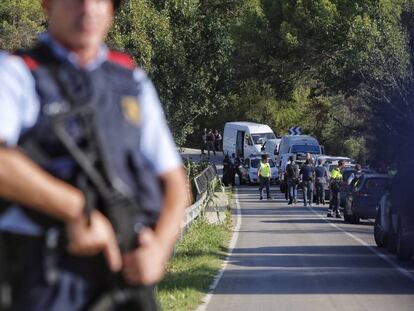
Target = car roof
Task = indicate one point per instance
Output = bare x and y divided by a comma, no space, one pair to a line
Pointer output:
255,128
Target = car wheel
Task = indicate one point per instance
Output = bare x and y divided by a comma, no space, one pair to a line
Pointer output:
379,233
402,245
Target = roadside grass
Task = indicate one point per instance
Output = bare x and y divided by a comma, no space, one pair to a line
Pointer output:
196,262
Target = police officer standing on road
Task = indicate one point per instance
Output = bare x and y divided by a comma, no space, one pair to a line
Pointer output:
335,187
264,173
307,177
321,179
70,68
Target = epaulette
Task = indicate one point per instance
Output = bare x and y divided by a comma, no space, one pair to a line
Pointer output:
30,62
121,59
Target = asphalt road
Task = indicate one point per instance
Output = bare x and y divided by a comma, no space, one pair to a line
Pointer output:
294,258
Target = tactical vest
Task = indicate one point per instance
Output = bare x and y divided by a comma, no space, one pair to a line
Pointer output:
112,93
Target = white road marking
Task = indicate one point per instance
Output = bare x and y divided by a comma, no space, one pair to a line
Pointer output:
372,249
233,242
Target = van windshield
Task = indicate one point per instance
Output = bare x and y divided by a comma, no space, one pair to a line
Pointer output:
305,148
262,137
255,163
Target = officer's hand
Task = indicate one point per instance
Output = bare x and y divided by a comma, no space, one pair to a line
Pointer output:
98,236
146,264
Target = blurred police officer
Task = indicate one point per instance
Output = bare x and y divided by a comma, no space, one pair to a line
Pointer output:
292,174
321,178
71,61
307,177
335,187
355,176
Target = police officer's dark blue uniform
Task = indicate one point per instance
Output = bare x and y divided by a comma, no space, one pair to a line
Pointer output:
112,91
105,83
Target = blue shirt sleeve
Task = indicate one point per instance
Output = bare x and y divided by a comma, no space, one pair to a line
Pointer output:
157,143
19,103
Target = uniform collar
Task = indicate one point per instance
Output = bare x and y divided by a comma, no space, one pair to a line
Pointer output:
62,53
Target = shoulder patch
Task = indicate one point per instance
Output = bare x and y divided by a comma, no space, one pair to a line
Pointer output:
121,59
30,62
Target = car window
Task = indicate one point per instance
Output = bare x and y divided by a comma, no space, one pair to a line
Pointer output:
254,163
305,148
375,185
346,174
262,137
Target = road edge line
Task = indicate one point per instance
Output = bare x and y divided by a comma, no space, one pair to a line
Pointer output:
384,257
233,241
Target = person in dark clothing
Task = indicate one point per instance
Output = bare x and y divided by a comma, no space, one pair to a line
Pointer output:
307,176
284,187
235,169
226,170
355,176
217,140
292,173
321,179
210,142
203,141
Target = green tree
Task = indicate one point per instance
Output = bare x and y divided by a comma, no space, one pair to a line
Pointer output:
20,22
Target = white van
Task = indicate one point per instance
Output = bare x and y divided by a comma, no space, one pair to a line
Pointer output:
298,146
246,138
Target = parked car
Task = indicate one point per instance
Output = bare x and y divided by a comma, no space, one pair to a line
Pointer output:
345,188
394,222
362,200
250,167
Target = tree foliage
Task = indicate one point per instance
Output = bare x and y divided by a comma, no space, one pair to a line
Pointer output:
341,69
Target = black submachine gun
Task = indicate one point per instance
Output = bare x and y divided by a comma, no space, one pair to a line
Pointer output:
104,189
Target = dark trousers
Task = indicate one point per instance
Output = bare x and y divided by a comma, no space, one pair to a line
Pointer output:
320,192
264,182
80,280
307,192
292,189
335,199
203,147
210,147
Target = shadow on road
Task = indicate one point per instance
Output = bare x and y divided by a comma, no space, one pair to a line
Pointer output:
312,270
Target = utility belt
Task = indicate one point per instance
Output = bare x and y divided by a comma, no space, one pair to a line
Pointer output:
335,184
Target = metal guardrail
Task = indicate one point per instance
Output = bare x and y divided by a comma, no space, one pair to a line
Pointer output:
201,182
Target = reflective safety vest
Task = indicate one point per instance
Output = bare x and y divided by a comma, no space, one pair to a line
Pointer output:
264,170
336,174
